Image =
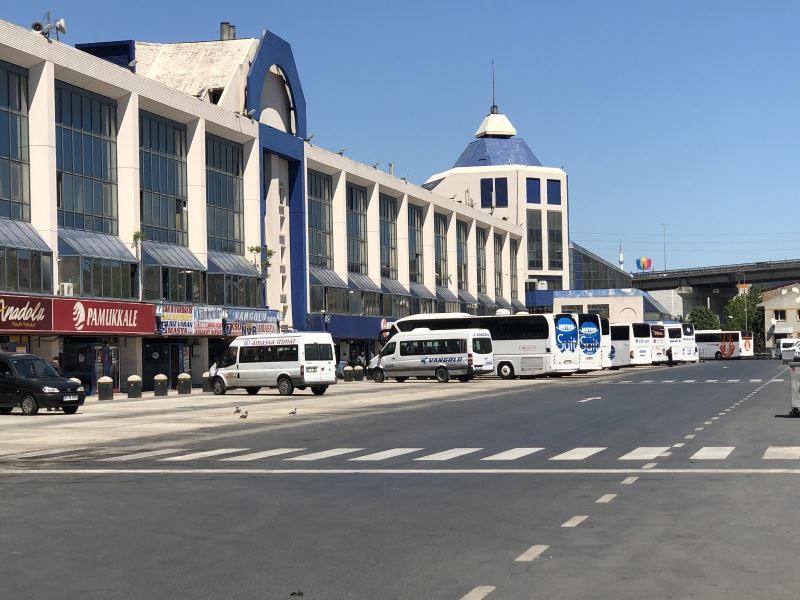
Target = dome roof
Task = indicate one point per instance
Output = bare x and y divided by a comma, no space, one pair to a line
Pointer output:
496,145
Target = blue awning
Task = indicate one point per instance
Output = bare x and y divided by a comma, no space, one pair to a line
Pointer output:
502,302
442,293
326,277
19,234
518,305
170,255
486,300
231,264
465,296
361,282
420,291
392,286
77,242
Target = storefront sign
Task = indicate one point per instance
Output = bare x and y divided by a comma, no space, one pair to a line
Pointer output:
99,316
243,321
176,319
208,320
25,313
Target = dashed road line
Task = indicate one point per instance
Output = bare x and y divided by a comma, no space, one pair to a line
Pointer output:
532,553
649,465
605,498
479,592
629,481
574,521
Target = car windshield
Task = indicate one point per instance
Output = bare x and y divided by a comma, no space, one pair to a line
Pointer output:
34,368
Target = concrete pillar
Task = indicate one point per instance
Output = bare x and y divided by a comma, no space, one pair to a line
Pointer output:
200,360
374,233
42,144
490,262
129,206
472,258
196,188
402,240
45,348
130,359
452,252
428,248
339,221
251,183
506,267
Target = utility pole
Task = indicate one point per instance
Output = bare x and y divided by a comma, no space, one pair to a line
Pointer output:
664,228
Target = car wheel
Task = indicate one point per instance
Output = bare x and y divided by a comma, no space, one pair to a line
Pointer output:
442,376
718,355
319,389
378,376
400,379
506,371
285,386
69,410
218,386
5,410
252,390
29,405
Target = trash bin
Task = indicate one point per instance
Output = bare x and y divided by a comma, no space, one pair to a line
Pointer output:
207,383
134,386
105,388
160,385
794,387
358,373
348,373
184,383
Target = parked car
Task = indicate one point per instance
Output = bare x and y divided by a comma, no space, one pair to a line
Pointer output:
30,383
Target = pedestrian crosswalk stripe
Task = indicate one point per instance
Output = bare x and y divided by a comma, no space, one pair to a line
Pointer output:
42,453
713,453
577,454
644,453
259,455
325,454
387,454
513,454
204,454
140,455
448,454
782,452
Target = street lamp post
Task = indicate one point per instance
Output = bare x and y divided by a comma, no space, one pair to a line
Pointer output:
664,239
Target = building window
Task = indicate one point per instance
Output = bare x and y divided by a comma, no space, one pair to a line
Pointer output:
224,195
356,229
98,277
86,160
173,285
395,306
162,177
15,199
498,265
480,253
415,220
494,192
487,190
514,248
780,315
599,309
572,308
553,191
462,265
533,190
320,230
388,237
555,247
545,282
535,258
232,290
26,271
440,242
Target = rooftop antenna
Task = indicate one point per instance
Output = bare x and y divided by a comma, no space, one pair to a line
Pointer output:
494,104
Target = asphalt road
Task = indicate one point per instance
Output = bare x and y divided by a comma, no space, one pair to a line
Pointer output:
665,483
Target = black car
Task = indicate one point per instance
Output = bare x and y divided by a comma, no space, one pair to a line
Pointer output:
31,383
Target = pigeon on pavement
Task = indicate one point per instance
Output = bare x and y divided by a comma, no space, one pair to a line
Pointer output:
243,415
293,412
237,411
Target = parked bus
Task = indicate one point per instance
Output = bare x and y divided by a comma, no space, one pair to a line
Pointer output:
605,343
658,333
441,353
523,344
589,342
689,353
631,344
723,345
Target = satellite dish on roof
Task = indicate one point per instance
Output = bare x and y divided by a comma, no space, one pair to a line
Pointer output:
61,25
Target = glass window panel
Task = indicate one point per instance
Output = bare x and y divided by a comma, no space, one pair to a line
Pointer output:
24,270
47,273
11,270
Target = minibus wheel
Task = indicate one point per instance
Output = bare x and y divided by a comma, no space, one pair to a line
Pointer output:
319,389
464,378
506,371
442,376
400,379
285,386
218,386
378,376
252,390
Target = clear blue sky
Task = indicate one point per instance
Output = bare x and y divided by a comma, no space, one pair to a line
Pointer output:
683,113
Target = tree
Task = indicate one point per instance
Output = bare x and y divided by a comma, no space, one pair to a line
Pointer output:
702,318
742,313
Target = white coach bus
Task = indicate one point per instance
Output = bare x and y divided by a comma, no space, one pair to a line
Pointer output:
630,344
590,336
523,344
722,345
658,334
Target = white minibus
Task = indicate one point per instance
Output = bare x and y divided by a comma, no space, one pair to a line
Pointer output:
441,353
785,348
276,360
589,342
718,344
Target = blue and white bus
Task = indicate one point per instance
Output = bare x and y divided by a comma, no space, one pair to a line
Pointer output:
523,344
590,335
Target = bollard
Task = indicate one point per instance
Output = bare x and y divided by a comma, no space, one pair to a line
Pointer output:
207,383
134,386
105,388
348,373
358,373
160,385
184,383
794,389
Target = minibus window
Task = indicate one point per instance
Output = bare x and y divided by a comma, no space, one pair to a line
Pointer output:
325,352
482,345
251,354
228,358
312,351
388,349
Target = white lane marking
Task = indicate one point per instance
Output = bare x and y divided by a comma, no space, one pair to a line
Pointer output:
691,436
647,381
689,380
698,429
712,453
36,453
649,465
755,381
577,454
668,381
590,399
204,454
712,380
325,454
644,453
666,454
777,380
575,521
678,445
531,553
138,455
626,381
513,454
387,454
629,481
706,422
263,454
448,454
733,381
715,418
479,592
605,498
782,452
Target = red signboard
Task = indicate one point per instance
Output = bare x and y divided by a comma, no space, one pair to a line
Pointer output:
19,314
99,316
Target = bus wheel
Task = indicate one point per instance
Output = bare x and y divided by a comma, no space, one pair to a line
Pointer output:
718,355
378,376
218,386
285,386
505,370
442,376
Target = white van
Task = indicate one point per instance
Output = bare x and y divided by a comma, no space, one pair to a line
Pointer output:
276,360
442,353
